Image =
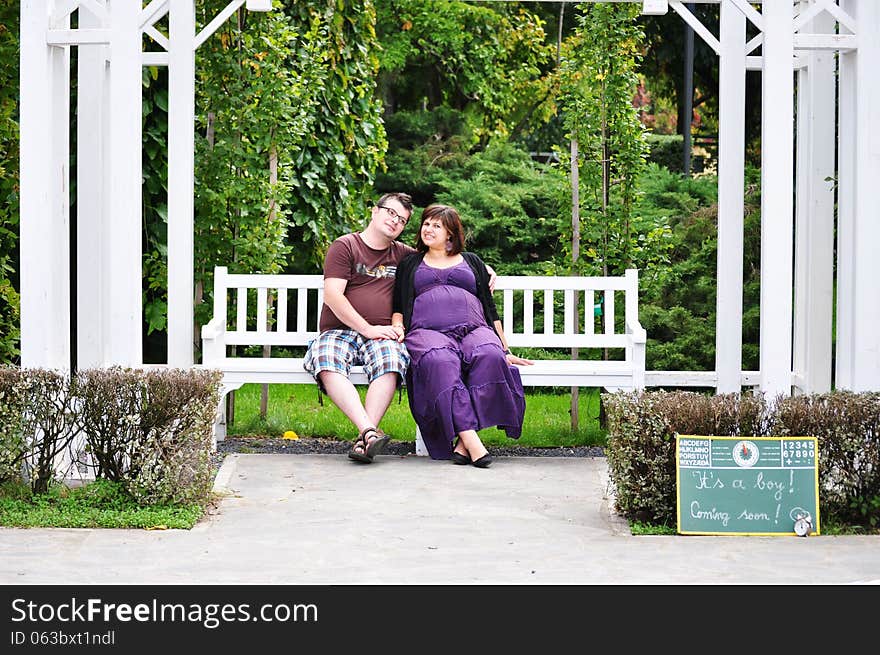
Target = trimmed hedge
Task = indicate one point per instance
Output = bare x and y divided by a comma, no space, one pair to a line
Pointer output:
641,445
148,429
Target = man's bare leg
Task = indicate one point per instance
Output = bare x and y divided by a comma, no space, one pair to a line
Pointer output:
380,393
346,397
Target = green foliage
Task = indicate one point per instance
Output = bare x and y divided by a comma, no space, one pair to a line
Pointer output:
485,59
599,79
423,145
151,430
9,299
509,205
154,199
667,150
677,299
332,170
251,111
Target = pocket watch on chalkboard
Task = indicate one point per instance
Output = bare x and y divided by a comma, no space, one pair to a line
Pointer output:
803,525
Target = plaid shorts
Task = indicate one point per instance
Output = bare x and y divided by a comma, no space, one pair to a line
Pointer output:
339,350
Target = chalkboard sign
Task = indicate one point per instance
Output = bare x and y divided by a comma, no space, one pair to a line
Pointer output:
747,485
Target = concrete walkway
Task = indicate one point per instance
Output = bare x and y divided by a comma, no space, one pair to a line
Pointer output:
325,520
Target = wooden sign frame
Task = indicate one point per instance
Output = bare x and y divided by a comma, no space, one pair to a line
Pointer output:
746,485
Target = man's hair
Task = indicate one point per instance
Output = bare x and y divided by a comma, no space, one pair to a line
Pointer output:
403,198
451,221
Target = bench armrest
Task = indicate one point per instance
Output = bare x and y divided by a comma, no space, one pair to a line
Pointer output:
213,329
637,331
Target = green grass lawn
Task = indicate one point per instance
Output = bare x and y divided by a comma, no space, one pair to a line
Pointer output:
296,407
98,504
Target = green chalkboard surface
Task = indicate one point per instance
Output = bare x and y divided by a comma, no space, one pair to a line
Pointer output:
746,485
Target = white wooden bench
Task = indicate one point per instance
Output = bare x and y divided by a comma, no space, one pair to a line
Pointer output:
537,312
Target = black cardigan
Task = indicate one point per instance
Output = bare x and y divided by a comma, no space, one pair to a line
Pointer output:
404,286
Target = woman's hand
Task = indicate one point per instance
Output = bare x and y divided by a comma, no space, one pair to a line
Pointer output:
383,332
517,361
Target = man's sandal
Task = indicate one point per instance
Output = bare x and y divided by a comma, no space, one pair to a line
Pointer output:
369,443
376,441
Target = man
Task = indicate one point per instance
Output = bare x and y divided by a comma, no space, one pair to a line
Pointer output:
355,325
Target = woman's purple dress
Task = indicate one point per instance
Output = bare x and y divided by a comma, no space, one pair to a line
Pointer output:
459,378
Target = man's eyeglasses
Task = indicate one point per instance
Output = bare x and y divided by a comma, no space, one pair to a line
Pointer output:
397,218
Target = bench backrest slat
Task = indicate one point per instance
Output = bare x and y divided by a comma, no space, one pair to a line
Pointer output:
241,316
262,309
302,309
281,312
608,314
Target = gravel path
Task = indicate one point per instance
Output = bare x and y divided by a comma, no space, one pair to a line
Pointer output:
321,446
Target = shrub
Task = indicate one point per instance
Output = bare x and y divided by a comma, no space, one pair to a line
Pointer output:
641,444
667,150
13,445
847,428
49,423
173,461
151,430
641,441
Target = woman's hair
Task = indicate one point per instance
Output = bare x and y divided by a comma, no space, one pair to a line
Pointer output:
451,221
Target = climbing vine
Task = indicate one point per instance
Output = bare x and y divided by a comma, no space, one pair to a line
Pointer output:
9,299
599,76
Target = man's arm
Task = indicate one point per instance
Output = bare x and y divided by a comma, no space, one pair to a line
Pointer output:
492,278
334,298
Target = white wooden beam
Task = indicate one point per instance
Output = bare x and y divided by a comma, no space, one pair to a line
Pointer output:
123,256
814,213
697,26
44,229
731,182
858,312
64,37
91,300
777,216
825,42
153,12
219,19
181,144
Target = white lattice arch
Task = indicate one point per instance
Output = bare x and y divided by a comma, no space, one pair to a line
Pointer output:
801,38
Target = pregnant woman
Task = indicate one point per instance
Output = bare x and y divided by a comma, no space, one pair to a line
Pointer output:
462,376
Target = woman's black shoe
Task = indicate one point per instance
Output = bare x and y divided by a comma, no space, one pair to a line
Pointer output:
483,462
458,458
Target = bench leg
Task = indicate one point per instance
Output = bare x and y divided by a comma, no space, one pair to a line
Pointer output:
420,445
220,417
220,422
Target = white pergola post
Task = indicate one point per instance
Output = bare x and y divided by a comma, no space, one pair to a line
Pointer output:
91,287
858,228
181,165
731,163
44,236
814,212
777,187
122,246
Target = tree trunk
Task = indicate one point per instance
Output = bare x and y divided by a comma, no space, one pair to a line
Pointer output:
575,255
267,350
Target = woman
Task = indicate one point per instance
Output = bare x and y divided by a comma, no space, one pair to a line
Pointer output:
461,376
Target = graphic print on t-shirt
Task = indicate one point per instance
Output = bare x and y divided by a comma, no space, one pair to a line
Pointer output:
378,271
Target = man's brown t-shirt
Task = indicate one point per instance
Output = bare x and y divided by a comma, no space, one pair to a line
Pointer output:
370,274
